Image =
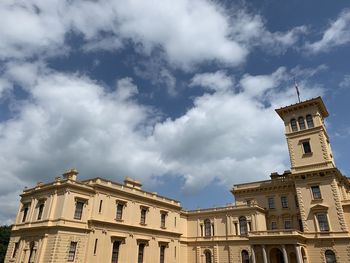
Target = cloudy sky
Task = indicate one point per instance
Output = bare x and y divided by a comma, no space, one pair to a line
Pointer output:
178,94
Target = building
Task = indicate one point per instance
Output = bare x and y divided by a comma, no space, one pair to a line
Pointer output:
302,215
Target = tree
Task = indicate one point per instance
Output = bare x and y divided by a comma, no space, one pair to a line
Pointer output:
5,232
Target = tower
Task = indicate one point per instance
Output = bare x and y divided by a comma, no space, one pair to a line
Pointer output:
306,134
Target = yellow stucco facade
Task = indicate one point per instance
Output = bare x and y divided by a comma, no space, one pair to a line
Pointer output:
300,216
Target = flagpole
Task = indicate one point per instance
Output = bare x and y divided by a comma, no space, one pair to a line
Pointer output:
297,89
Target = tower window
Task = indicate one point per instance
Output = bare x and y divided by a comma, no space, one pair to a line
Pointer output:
301,123
284,201
78,210
309,121
322,222
316,192
207,228
271,202
293,124
307,147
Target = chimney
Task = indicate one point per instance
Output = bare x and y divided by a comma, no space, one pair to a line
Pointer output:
70,174
132,183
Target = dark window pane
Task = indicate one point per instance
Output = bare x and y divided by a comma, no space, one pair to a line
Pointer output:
306,147
309,120
301,123
78,210
293,124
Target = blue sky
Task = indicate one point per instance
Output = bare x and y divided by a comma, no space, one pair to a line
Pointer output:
178,94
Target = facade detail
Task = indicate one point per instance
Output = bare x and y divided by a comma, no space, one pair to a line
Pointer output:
299,216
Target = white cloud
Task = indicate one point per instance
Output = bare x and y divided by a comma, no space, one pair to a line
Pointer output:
69,120
213,81
345,83
337,34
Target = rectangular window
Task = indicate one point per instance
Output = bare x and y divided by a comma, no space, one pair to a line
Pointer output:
15,249
162,220
40,211
271,202
143,216
322,222
120,208
273,225
95,246
78,209
140,254
201,230
175,221
284,201
100,207
307,147
287,224
115,251
25,212
162,254
296,201
72,250
316,192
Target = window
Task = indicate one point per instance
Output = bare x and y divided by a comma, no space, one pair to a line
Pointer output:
78,209
120,208
162,219
245,256
115,251
32,252
273,225
271,202
322,222
207,255
287,224
100,207
201,230
301,123
15,250
143,216
316,192
40,210
330,256
309,121
296,201
293,124
141,252
207,228
307,147
249,202
72,250
243,227
284,201
301,228
95,246
162,254
25,212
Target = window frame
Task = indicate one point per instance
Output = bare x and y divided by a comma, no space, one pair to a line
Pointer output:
323,226
143,215
25,209
72,251
115,251
163,216
119,211
287,224
306,147
309,121
243,225
141,252
40,210
316,192
284,201
333,260
301,123
78,212
207,227
293,125
271,205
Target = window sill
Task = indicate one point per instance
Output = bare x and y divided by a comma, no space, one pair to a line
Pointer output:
316,201
163,227
143,224
119,220
307,154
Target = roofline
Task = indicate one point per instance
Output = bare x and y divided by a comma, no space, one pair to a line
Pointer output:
318,101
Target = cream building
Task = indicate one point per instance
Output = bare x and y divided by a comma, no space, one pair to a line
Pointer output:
302,215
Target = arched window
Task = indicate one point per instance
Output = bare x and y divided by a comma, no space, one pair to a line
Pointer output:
207,228
207,255
245,256
293,124
301,123
330,256
309,121
243,225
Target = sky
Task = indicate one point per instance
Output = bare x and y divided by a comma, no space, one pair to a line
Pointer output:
177,94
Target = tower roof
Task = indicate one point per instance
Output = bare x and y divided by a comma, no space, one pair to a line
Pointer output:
304,104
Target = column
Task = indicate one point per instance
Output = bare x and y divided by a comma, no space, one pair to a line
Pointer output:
253,254
264,253
298,254
284,252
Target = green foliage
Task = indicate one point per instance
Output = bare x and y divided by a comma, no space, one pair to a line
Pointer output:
5,232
